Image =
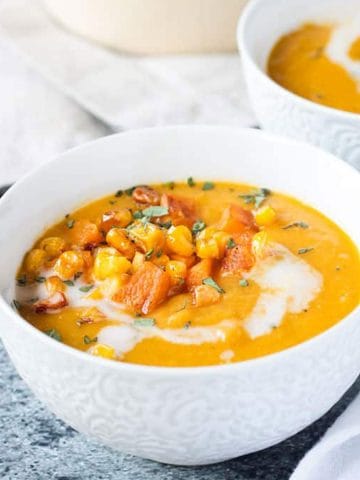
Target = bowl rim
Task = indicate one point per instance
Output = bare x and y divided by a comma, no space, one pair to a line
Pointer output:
155,370
251,7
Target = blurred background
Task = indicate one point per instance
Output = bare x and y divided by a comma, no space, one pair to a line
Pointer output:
75,70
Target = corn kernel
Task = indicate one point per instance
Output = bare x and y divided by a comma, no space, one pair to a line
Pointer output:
118,239
104,351
54,284
68,264
138,260
189,261
147,236
35,260
207,248
109,262
179,241
206,244
115,218
113,285
259,242
160,261
53,246
265,216
177,271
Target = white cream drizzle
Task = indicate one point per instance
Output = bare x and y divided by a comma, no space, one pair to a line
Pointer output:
287,283
342,37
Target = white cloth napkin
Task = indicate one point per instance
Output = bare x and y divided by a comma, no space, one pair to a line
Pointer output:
337,454
129,91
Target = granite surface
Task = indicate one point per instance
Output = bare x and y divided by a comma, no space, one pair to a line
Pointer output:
34,444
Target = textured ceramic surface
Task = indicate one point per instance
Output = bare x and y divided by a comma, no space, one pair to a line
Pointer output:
277,109
187,416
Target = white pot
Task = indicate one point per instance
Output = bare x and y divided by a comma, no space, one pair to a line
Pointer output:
277,109
187,416
153,26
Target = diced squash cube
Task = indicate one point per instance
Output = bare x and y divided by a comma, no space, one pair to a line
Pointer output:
68,264
181,210
236,219
147,288
204,295
265,216
109,262
146,195
118,239
240,257
54,302
179,241
198,272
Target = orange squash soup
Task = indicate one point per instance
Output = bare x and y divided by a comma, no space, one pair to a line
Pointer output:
189,274
320,63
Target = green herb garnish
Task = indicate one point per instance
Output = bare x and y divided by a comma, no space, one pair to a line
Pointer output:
129,191
230,243
191,182
208,186
119,193
149,253
138,214
144,322
159,253
112,202
151,212
256,198
301,251
243,282
53,333
88,339
33,299
70,223
86,288
210,282
21,281
69,283
299,224
40,279
166,225
170,185
198,226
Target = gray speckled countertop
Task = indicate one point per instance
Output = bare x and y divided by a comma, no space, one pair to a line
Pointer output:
36,445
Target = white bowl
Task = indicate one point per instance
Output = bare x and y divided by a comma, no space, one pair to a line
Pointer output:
153,26
187,416
277,109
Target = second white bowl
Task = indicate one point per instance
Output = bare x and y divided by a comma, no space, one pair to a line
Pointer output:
277,109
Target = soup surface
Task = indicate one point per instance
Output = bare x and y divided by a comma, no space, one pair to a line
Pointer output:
187,274
320,63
